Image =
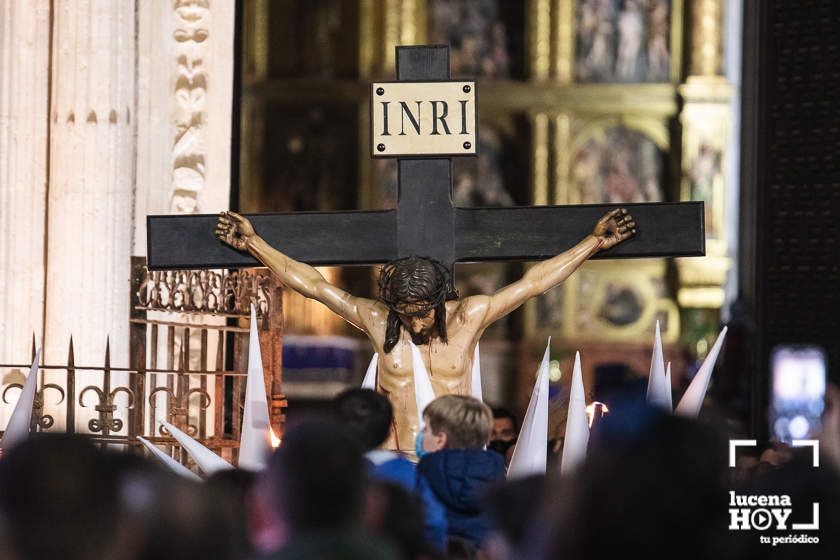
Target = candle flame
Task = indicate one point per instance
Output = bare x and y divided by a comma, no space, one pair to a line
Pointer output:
275,441
590,411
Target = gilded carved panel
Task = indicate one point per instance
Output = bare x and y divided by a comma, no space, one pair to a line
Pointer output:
618,159
605,301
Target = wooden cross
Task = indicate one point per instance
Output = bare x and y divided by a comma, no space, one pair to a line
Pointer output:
425,221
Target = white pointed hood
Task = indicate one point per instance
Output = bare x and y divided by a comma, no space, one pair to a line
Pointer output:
656,378
692,400
206,460
577,423
255,437
424,393
530,453
17,430
174,465
369,382
475,381
668,386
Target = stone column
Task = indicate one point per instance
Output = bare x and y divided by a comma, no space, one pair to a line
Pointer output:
184,117
184,92
91,169
24,80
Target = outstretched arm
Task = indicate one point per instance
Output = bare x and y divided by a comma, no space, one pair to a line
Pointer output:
237,231
612,229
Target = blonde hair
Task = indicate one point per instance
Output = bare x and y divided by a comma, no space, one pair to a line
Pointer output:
467,422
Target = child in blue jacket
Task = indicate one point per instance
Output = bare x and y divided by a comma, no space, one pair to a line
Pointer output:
455,465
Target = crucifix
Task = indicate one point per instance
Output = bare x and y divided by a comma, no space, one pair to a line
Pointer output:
417,301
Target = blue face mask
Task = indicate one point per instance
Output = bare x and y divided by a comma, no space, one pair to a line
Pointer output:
418,444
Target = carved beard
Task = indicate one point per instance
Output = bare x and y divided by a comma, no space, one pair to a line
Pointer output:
420,338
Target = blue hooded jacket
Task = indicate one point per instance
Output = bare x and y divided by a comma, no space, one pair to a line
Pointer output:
392,467
458,478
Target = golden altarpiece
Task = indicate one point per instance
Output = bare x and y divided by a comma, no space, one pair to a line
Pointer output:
580,101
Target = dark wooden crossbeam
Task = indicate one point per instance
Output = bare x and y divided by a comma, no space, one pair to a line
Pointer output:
426,222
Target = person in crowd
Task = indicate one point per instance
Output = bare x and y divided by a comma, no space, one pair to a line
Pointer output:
455,465
58,498
805,485
774,454
505,431
164,515
747,462
396,514
512,508
233,488
368,417
314,488
653,486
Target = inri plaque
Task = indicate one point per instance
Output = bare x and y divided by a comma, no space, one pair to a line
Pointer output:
423,119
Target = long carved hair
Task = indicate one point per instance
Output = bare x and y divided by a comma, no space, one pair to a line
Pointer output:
413,280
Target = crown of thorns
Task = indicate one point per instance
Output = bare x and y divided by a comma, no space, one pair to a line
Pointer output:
441,291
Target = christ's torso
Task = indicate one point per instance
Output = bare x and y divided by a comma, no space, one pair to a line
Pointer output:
449,365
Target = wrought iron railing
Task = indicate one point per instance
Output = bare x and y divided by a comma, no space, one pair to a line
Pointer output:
188,358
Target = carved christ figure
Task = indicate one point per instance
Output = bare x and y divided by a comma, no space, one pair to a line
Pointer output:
417,302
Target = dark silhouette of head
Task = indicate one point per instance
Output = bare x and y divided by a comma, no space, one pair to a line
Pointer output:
233,488
415,289
395,514
512,510
652,486
58,496
805,485
366,415
164,515
317,478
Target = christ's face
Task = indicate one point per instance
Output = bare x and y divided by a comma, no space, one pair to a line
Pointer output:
418,320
